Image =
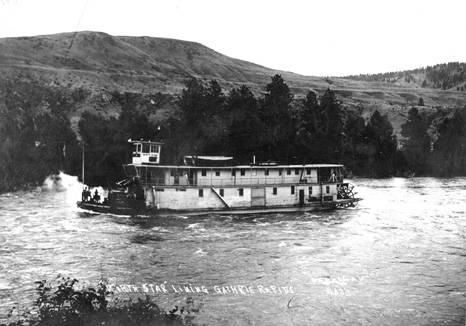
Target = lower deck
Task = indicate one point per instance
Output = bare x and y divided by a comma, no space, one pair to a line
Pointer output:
215,198
316,206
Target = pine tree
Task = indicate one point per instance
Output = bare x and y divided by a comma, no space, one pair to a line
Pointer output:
355,155
417,145
449,154
244,126
275,115
308,126
201,127
382,145
332,121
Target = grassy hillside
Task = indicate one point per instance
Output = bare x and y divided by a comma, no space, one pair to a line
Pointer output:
447,76
98,64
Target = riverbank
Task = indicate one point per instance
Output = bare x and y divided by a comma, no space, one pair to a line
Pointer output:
63,302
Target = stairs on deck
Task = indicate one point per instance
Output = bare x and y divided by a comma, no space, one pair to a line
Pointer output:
220,197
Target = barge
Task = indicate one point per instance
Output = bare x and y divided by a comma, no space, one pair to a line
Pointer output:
213,184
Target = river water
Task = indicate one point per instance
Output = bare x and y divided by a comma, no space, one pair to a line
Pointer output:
399,258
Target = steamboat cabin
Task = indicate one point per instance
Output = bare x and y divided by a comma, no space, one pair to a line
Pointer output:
204,184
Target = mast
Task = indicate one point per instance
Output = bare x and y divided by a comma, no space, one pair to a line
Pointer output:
82,165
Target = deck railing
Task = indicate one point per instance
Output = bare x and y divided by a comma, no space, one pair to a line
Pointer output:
239,181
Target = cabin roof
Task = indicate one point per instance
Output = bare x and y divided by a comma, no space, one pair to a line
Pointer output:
134,141
211,158
263,167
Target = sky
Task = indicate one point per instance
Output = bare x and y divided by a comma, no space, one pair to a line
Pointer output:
313,37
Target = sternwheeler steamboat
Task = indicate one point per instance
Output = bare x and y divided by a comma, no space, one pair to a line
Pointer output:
213,184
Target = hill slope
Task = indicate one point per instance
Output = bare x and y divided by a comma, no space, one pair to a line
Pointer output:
100,64
446,76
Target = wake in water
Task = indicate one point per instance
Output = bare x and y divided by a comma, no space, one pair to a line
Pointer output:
70,184
61,182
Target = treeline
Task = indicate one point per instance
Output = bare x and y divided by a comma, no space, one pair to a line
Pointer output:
435,144
36,138
276,127
105,140
446,76
443,76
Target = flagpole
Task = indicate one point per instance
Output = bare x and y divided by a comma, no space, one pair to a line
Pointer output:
82,165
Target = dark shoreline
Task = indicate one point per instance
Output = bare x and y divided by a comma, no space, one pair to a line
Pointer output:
34,186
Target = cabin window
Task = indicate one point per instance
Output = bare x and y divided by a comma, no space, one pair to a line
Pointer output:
138,148
292,190
154,148
233,173
203,172
310,191
274,190
296,171
201,192
280,171
222,192
327,189
145,148
243,172
159,189
288,171
217,173
241,192
172,173
266,171
308,171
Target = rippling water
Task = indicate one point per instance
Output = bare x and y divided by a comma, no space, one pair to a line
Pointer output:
399,258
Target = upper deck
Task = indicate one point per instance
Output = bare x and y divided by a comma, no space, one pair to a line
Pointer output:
220,171
237,175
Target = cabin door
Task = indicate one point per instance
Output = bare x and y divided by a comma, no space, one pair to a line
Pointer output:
257,196
301,197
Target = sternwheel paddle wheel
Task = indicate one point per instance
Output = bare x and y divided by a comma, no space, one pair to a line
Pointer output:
347,196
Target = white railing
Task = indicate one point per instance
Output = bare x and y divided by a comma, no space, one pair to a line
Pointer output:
220,182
